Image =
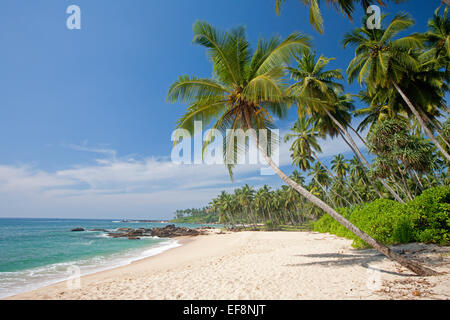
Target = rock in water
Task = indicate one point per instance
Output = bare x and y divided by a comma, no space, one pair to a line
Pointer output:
168,231
77,229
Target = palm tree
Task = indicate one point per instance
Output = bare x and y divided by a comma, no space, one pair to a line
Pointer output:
323,181
347,7
359,180
382,62
242,93
244,199
224,205
261,202
340,166
317,91
377,110
357,172
305,144
437,39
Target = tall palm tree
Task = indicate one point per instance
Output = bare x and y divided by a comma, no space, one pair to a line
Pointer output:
323,180
357,172
244,90
340,166
244,198
224,205
383,62
437,38
305,143
359,179
305,146
261,202
347,7
377,110
317,92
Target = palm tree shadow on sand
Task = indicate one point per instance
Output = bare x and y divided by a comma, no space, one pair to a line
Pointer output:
363,258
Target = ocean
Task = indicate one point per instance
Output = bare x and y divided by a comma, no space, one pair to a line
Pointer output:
39,252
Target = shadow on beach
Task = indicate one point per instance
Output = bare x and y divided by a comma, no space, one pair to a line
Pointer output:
428,254
342,260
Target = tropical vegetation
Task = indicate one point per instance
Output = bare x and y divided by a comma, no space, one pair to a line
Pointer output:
424,219
196,215
404,80
347,7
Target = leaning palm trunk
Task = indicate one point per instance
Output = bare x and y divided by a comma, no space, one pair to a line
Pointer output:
359,136
335,179
291,217
438,128
429,181
419,183
405,185
411,265
326,192
230,216
362,164
422,123
360,155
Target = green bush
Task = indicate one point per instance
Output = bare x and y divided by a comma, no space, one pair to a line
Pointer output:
271,226
425,219
327,224
430,216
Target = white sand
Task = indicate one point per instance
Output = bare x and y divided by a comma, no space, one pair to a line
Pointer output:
263,265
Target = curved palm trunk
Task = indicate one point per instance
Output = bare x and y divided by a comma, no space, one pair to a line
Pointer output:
252,217
359,136
405,185
291,216
334,178
429,181
411,265
422,123
419,183
326,192
227,217
360,162
358,152
438,128
399,182
231,220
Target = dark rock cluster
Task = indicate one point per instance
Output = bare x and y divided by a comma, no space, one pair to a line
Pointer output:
168,231
77,229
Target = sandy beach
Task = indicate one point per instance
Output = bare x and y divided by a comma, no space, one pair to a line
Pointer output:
263,265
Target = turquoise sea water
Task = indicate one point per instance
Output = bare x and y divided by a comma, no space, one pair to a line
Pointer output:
38,252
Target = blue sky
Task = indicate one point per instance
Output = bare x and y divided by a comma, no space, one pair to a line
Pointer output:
84,127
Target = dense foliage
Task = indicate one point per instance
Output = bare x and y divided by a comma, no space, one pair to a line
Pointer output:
424,219
404,79
203,215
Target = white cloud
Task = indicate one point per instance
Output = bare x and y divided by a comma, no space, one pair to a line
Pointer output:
115,187
101,150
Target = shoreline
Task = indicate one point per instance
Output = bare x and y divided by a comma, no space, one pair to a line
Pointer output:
182,240
260,265
175,243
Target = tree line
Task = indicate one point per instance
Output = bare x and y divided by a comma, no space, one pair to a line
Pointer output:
403,81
